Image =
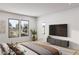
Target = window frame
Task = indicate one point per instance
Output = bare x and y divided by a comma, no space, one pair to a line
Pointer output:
19,22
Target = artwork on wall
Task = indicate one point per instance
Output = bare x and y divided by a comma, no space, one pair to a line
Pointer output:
2,26
24,28
18,28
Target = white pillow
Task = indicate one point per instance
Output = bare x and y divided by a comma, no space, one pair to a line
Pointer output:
6,48
20,47
1,51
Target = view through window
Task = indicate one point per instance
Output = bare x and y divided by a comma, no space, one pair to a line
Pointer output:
18,28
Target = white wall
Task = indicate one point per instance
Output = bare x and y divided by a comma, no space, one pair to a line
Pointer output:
4,16
70,17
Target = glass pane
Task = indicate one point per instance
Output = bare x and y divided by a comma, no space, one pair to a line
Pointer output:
13,28
24,28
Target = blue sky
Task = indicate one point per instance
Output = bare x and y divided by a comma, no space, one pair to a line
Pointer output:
13,22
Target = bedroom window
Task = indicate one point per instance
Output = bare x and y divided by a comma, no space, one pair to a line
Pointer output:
24,28
17,28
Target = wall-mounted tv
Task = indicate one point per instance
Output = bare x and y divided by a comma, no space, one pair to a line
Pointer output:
58,30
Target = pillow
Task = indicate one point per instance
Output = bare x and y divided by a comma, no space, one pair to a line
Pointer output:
5,48
20,47
1,51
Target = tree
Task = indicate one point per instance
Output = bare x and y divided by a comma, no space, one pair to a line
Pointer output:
25,28
10,24
17,26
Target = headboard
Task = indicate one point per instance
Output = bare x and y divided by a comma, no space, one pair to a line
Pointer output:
58,42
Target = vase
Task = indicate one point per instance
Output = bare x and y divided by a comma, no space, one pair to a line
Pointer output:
34,37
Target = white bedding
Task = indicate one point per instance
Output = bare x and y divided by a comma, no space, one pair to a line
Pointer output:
1,51
6,48
25,50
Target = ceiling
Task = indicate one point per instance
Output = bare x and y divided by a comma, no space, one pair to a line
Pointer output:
36,9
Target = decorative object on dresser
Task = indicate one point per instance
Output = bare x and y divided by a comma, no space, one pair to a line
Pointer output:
62,43
34,35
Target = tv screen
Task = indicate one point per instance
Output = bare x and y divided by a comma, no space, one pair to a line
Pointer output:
58,30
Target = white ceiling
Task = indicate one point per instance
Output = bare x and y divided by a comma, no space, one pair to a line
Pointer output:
36,9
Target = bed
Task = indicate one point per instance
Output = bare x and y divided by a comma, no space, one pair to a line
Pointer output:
35,48
29,48
51,47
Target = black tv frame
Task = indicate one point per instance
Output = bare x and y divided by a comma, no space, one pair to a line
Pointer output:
58,30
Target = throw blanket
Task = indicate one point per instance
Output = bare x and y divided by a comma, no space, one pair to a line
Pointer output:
41,49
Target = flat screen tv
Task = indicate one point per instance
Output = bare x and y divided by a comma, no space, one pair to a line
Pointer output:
58,30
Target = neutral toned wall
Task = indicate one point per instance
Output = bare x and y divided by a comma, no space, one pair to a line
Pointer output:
70,17
4,16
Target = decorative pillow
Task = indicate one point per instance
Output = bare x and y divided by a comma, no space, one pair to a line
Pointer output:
5,48
1,51
20,47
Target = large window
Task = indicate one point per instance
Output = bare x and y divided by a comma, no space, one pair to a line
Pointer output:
18,28
24,28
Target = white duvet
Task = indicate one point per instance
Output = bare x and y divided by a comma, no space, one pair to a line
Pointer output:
25,50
